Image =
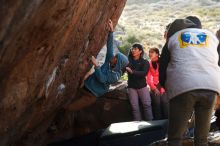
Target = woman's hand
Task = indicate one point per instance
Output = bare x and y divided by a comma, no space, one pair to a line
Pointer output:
94,62
110,26
129,70
85,77
157,92
162,90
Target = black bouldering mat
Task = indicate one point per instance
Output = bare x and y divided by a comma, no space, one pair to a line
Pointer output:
137,133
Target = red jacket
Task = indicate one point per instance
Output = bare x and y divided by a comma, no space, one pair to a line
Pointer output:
152,77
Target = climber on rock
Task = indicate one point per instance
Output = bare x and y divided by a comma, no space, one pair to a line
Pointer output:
98,83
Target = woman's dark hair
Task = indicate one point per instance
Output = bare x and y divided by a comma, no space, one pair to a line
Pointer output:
139,46
154,63
179,24
156,50
167,27
195,20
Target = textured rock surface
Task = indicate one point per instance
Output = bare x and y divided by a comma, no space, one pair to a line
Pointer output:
111,108
44,51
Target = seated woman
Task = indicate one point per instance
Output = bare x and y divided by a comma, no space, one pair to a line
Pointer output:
97,84
137,87
158,96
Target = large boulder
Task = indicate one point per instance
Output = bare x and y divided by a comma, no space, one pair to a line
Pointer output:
111,108
45,48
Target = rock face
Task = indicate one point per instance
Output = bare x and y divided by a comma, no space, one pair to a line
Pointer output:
45,48
113,107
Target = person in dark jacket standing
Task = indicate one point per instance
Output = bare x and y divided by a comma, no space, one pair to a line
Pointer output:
137,69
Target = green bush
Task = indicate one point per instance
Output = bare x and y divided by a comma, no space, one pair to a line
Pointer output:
124,48
127,43
132,39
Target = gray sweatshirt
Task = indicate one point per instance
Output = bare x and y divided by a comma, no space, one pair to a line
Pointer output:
193,62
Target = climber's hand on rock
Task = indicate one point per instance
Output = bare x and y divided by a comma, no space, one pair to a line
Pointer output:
110,26
94,62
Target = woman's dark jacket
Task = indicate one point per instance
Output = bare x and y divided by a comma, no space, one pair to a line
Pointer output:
137,79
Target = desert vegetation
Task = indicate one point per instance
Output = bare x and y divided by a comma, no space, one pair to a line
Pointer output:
145,20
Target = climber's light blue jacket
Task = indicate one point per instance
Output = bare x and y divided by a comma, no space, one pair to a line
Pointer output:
98,82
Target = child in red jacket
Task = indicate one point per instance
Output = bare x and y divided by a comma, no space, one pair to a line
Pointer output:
158,96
